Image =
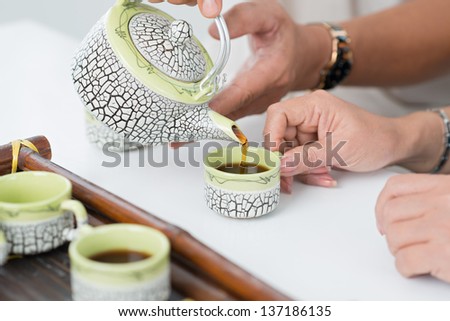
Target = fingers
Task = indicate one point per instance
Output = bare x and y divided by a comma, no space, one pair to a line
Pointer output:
243,19
305,114
246,94
318,177
413,213
322,180
403,234
208,8
302,138
399,209
188,2
300,112
402,185
303,159
414,260
270,73
422,246
238,94
286,184
426,258
275,127
406,184
234,105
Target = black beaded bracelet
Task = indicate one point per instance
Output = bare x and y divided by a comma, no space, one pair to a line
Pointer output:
445,154
341,61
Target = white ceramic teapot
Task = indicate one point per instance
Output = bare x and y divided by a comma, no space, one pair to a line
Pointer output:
145,76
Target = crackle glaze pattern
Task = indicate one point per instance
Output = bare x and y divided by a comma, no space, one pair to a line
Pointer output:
169,47
114,97
242,204
39,236
104,137
156,289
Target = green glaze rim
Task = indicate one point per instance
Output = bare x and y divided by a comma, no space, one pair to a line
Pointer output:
39,209
118,35
149,267
243,183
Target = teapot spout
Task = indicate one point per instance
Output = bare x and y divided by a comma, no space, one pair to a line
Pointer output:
227,127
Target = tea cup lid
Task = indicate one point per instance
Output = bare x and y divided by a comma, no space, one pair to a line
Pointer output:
163,54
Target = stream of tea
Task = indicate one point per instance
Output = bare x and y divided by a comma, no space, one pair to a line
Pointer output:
243,167
244,144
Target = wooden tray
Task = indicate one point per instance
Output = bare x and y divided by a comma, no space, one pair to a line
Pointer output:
46,277
197,271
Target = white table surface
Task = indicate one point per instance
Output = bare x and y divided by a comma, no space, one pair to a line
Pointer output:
320,244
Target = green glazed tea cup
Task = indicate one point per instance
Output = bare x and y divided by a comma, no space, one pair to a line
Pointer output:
36,213
242,195
146,279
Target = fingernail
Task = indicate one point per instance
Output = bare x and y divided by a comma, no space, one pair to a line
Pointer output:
287,189
210,8
320,170
329,183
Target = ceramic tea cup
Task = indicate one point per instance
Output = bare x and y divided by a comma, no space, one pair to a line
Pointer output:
36,213
240,195
120,262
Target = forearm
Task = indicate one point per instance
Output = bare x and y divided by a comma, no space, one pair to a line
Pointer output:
419,143
406,44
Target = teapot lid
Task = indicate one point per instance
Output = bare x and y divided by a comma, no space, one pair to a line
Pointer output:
162,52
168,46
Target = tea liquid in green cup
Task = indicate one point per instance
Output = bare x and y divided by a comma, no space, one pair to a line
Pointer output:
146,278
237,193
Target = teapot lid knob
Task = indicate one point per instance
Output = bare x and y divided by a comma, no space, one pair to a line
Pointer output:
179,32
163,53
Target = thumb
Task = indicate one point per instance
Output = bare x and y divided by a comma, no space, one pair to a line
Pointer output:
245,18
304,159
210,8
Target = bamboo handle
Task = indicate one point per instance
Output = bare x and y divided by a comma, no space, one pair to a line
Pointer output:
187,282
6,156
233,279
195,287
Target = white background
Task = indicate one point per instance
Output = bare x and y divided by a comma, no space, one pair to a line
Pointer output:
320,244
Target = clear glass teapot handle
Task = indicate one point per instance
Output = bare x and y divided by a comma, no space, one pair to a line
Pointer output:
213,79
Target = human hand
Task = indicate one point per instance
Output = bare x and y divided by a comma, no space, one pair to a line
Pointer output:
208,8
318,131
279,63
413,212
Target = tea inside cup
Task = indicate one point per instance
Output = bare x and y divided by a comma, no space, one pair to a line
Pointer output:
120,262
242,190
